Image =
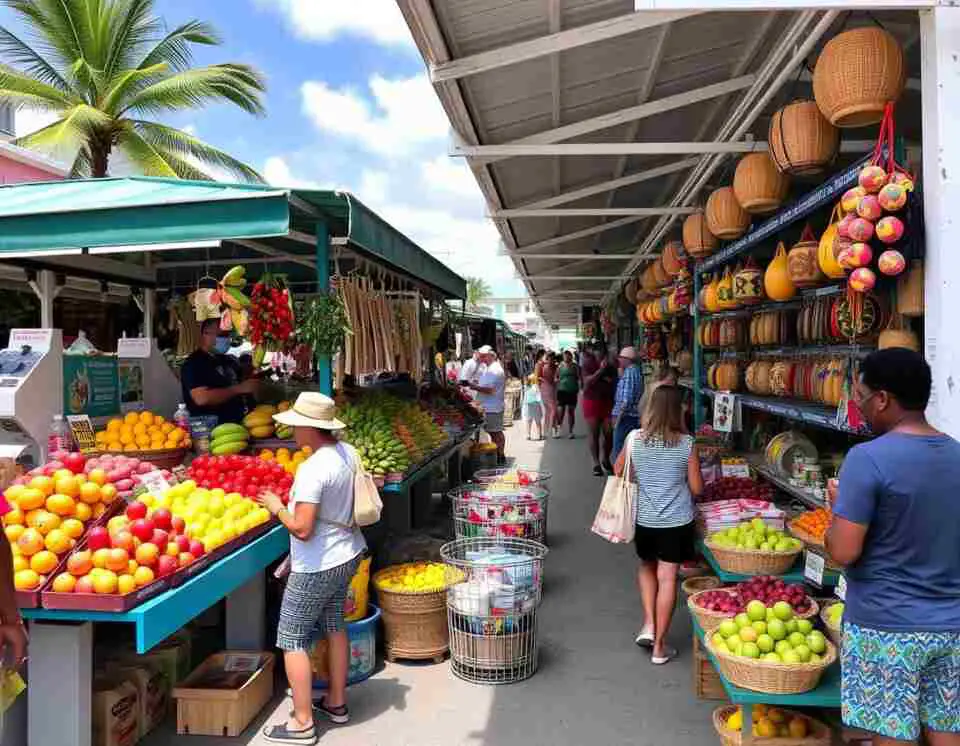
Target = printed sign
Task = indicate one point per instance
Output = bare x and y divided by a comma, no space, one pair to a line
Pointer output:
90,385
82,430
134,347
813,566
130,373
841,589
725,413
37,340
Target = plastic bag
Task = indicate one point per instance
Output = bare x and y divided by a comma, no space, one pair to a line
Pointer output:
358,594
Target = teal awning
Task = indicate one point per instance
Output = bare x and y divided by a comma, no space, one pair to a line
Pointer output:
38,221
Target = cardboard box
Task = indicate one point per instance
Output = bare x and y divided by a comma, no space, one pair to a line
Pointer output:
153,691
116,712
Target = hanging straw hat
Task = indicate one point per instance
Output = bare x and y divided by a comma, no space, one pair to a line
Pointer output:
311,410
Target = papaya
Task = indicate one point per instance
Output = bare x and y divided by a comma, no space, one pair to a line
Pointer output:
225,428
226,449
262,431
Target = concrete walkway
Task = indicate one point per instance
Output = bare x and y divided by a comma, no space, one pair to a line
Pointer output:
594,687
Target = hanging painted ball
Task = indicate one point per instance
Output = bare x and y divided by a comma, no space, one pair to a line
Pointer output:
851,198
869,207
855,255
890,229
892,197
872,178
862,280
903,179
843,227
891,263
860,229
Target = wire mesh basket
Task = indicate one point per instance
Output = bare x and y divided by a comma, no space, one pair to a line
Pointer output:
482,511
492,608
509,477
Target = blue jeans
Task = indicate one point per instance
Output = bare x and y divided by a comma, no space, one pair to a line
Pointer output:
625,424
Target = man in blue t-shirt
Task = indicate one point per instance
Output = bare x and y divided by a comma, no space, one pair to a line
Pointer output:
896,530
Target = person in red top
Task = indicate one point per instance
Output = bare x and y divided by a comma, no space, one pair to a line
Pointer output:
13,636
598,378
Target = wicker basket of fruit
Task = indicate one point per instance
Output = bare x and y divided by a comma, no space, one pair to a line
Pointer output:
772,726
810,528
832,617
699,583
748,559
712,606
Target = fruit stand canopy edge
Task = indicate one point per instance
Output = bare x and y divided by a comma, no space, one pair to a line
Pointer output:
145,211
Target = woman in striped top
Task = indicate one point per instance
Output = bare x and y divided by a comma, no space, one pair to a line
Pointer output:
666,470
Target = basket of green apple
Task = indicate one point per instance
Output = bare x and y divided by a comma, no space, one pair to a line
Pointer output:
789,657
754,549
832,618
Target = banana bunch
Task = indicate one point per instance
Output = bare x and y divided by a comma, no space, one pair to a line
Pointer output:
228,438
260,421
236,315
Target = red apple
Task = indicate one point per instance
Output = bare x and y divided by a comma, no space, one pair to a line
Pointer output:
98,538
142,528
74,462
185,558
172,549
178,524
136,510
123,540
160,537
166,565
162,518
196,548
183,543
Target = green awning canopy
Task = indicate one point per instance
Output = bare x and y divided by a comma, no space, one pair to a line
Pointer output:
41,221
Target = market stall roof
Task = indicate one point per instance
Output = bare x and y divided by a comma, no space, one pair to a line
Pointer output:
197,224
592,127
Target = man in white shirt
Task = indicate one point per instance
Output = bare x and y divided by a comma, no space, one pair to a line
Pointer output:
490,390
470,371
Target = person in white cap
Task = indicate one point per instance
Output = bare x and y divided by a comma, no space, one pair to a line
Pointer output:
491,390
326,547
626,403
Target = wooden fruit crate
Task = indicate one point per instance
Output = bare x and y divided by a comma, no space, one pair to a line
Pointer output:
224,693
706,680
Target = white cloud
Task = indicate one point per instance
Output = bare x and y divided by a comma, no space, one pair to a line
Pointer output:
325,20
404,114
277,172
448,173
26,121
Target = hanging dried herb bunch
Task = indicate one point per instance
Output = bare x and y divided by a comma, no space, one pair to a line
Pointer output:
324,324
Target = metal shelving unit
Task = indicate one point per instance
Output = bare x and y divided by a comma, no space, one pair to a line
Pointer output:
798,411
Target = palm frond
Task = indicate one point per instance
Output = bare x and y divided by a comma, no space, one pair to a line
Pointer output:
53,43
128,82
143,156
185,168
132,27
69,132
177,142
21,89
241,85
65,18
25,58
174,48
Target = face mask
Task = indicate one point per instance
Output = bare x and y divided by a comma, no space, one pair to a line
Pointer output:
222,345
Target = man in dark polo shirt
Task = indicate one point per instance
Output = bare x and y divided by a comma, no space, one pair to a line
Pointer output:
210,379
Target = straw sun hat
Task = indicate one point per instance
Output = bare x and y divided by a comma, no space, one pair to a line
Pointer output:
311,410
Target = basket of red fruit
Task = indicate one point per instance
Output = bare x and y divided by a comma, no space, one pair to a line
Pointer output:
711,607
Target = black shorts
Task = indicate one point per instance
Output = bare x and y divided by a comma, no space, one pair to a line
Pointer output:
676,544
567,398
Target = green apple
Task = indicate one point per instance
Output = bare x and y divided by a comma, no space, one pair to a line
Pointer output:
782,647
742,620
804,626
756,611
795,639
751,543
765,643
760,626
790,657
748,634
750,650
728,628
776,629
791,626
783,546
766,547
783,611
718,640
817,642
734,645
815,658
770,614
772,658
803,652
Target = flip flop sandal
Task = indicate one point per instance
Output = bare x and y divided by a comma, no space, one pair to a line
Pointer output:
669,655
644,639
282,734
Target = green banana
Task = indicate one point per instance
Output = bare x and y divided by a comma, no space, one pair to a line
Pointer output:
235,277
231,437
259,353
234,298
227,428
228,448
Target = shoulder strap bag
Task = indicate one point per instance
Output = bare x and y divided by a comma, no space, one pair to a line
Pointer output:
615,520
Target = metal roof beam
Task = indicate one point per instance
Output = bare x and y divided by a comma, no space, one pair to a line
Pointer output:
607,148
276,253
608,226
585,278
551,44
591,257
591,212
648,6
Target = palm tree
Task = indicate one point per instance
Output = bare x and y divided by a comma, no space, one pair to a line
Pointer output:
477,291
105,66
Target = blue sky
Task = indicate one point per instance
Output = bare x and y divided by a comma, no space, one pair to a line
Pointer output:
349,106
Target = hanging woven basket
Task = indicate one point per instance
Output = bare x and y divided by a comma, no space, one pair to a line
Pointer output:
648,282
698,241
674,258
660,275
758,184
801,140
726,219
858,72
910,290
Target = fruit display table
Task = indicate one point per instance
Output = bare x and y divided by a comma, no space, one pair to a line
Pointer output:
61,642
827,694
795,575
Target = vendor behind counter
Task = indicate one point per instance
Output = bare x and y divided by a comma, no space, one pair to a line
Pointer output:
212,381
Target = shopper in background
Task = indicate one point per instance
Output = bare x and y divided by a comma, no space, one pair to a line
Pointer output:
510,365
490,390
533,406
568,390
325,551
598,376
547,375
13,635
666,470
626,402
668,376
896,530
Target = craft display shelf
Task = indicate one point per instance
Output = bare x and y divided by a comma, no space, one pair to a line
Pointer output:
791,409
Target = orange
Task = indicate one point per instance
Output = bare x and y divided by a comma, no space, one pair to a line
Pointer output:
126,583
146,418
114,425
108,493
143,576
58,541
13,532
132,566
64,583
142,441
33,516
159,420
117,560
131,447
80,563
140,429
26,580
62,505
89,492
46,523
131,418
14,517
32,498
100,558
13,493
72,527
98,476
44,484
30,542
266,454
43,562
61,474
105,582
84,512
20,563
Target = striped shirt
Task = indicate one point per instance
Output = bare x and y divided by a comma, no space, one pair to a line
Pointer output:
663,498
629,391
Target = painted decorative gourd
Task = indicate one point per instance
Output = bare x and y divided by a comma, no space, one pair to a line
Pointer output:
892,197
890,229
843,225
852,325
728,376
711,299
860,229
827,252
872,178
776,280
868,206
802,263
851,198
748,284
891,263
780,374
725,291
855,255
862,280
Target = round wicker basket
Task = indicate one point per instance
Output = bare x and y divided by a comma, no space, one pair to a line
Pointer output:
812,541
758,184
834,632
414,624
698,241
753,561
726,219
708,620
858,72
699,583
801,140
818,733
771,678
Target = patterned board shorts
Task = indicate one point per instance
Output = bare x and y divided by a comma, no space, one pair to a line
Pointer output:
896,682
313,605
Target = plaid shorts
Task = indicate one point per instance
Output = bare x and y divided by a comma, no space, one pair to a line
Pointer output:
493,422
313,605
896,682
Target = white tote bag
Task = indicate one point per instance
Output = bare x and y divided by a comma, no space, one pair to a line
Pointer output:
615,519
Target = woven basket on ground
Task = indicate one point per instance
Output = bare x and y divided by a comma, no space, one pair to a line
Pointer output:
726,219
708,620
758,184
771,678
698,241
752,561
414,624
858,72
801,140
834,632
818,733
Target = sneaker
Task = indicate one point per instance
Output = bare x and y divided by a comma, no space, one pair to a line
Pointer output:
597,471
608,467
571,436
282,734
339,715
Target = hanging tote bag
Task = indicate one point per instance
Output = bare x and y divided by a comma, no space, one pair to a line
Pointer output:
615,517
367,505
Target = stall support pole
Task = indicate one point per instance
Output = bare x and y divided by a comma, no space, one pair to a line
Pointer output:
45,288
940,74
324,371
247,615
149,311
61,683
698,413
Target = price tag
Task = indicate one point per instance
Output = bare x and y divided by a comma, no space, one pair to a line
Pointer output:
82,430
155,482
735,470
241,663
841,589
813,566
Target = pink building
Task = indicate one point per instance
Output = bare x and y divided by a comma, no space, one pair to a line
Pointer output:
20,164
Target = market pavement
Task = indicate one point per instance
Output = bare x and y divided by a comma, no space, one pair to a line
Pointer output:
593,687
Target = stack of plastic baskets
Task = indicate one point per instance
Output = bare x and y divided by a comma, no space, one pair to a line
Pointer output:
492,608
494,511
513,476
